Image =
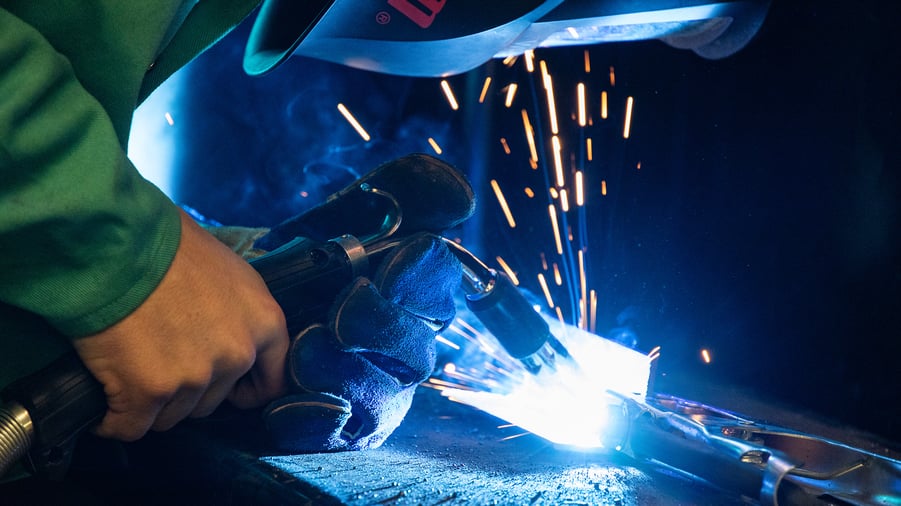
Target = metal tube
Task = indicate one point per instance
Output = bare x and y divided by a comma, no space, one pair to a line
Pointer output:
16,435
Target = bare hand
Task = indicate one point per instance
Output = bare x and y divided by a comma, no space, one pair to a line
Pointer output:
209,331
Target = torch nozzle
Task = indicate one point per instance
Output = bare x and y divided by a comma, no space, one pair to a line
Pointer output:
504,311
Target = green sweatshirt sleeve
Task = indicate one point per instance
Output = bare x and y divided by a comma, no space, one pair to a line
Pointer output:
84,239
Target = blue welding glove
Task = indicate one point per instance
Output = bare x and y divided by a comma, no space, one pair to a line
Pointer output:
353,378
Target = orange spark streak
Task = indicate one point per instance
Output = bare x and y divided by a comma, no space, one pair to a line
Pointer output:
547,293
558,279
603,105
603,187
588,148
580,91
511,93
705,355
503,202
353,122
627,125
484,89
449,93
551,105
508,270
529,192
435,146
505,145
612,76
558,161
594,312
587,62
554,194
530,60
553,213
564,201
580,191
530,137
543,261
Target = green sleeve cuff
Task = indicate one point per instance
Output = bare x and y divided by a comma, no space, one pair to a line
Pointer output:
129,286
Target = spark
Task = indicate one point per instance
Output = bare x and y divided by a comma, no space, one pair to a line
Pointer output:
551,105
580,91
558,162
553,214
484,89
543,261
508,270
169,119
505,145
564,201
503,202
593,311
705,355
587,62
509,61
544,288
603,187
353,122
530,137
583,283
435,145
506,426
515,436
588,149
638,167
603,105
529,193
654,353
627,124
511,93
580,191
612,76
530,60
553,192
449,93
443,340
572,32
558,279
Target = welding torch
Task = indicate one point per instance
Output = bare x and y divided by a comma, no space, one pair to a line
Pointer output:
43,414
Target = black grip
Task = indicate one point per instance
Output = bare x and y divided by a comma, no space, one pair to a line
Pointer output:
305,277
63,400
510,317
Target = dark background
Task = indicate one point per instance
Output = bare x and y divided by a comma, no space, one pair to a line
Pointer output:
763,224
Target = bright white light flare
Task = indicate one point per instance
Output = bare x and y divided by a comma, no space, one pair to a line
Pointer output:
573,406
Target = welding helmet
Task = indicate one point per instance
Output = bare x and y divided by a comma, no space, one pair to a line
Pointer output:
431,38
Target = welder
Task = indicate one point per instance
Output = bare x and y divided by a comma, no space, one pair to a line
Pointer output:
169,320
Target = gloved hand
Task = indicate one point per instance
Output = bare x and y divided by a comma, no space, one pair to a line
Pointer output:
352,375
353,378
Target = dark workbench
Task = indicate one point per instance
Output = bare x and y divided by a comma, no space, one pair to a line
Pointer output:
444,453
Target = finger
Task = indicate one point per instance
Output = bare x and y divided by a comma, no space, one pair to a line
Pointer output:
182,404
212,398
128,425
266,379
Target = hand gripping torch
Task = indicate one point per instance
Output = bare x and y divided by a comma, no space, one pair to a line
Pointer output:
43,414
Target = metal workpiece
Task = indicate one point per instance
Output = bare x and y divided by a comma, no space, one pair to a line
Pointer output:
16,434
758,461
